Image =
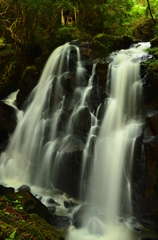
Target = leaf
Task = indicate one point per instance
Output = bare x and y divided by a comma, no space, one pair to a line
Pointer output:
19,196
12,235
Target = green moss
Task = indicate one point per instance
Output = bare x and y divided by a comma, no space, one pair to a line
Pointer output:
105,44
15,223
153,67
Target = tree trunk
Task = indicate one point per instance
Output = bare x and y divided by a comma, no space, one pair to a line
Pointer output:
150,10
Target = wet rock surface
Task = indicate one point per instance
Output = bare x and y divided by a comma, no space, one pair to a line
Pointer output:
8,123
150,141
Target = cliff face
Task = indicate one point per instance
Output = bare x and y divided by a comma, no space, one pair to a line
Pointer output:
150,141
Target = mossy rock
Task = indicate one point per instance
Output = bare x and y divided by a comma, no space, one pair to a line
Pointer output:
29,203
154,42
16,223
105,44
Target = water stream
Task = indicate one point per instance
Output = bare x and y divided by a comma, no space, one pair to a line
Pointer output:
38,144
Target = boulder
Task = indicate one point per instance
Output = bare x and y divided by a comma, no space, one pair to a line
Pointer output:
29,203
81,121
104,44
154,42
27,82
7,123
152,120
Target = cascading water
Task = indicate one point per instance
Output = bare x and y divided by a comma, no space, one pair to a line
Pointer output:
37,147
29,155
109,188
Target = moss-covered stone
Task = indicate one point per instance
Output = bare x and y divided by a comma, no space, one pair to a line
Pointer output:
16,223
105,44
154,42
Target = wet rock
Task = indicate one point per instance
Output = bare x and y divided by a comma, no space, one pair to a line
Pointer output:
7,118
152,120
7,124
26,187
148,238
60,221
154,42
81,121
69,173
52,201
52,210
67,81
28,80
104,44
69,204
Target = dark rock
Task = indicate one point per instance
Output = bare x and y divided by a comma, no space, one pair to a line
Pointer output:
104,44
60,221
67,81
68,204
154,42
6,190
152,120
26,187
52,210
69,156
28,81
51,201
7,118
148,238
81,121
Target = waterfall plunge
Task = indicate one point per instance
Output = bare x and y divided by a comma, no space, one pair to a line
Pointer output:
109,188
119,130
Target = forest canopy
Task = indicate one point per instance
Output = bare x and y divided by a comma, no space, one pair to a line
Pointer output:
29,21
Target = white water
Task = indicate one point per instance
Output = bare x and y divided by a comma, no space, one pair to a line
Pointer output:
29,156
110,179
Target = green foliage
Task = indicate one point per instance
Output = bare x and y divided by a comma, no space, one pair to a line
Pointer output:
32,22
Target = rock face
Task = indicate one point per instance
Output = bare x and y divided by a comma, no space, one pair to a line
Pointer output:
7,123
150,142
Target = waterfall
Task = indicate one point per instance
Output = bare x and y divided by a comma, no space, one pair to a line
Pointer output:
110,182
40,141
31,153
